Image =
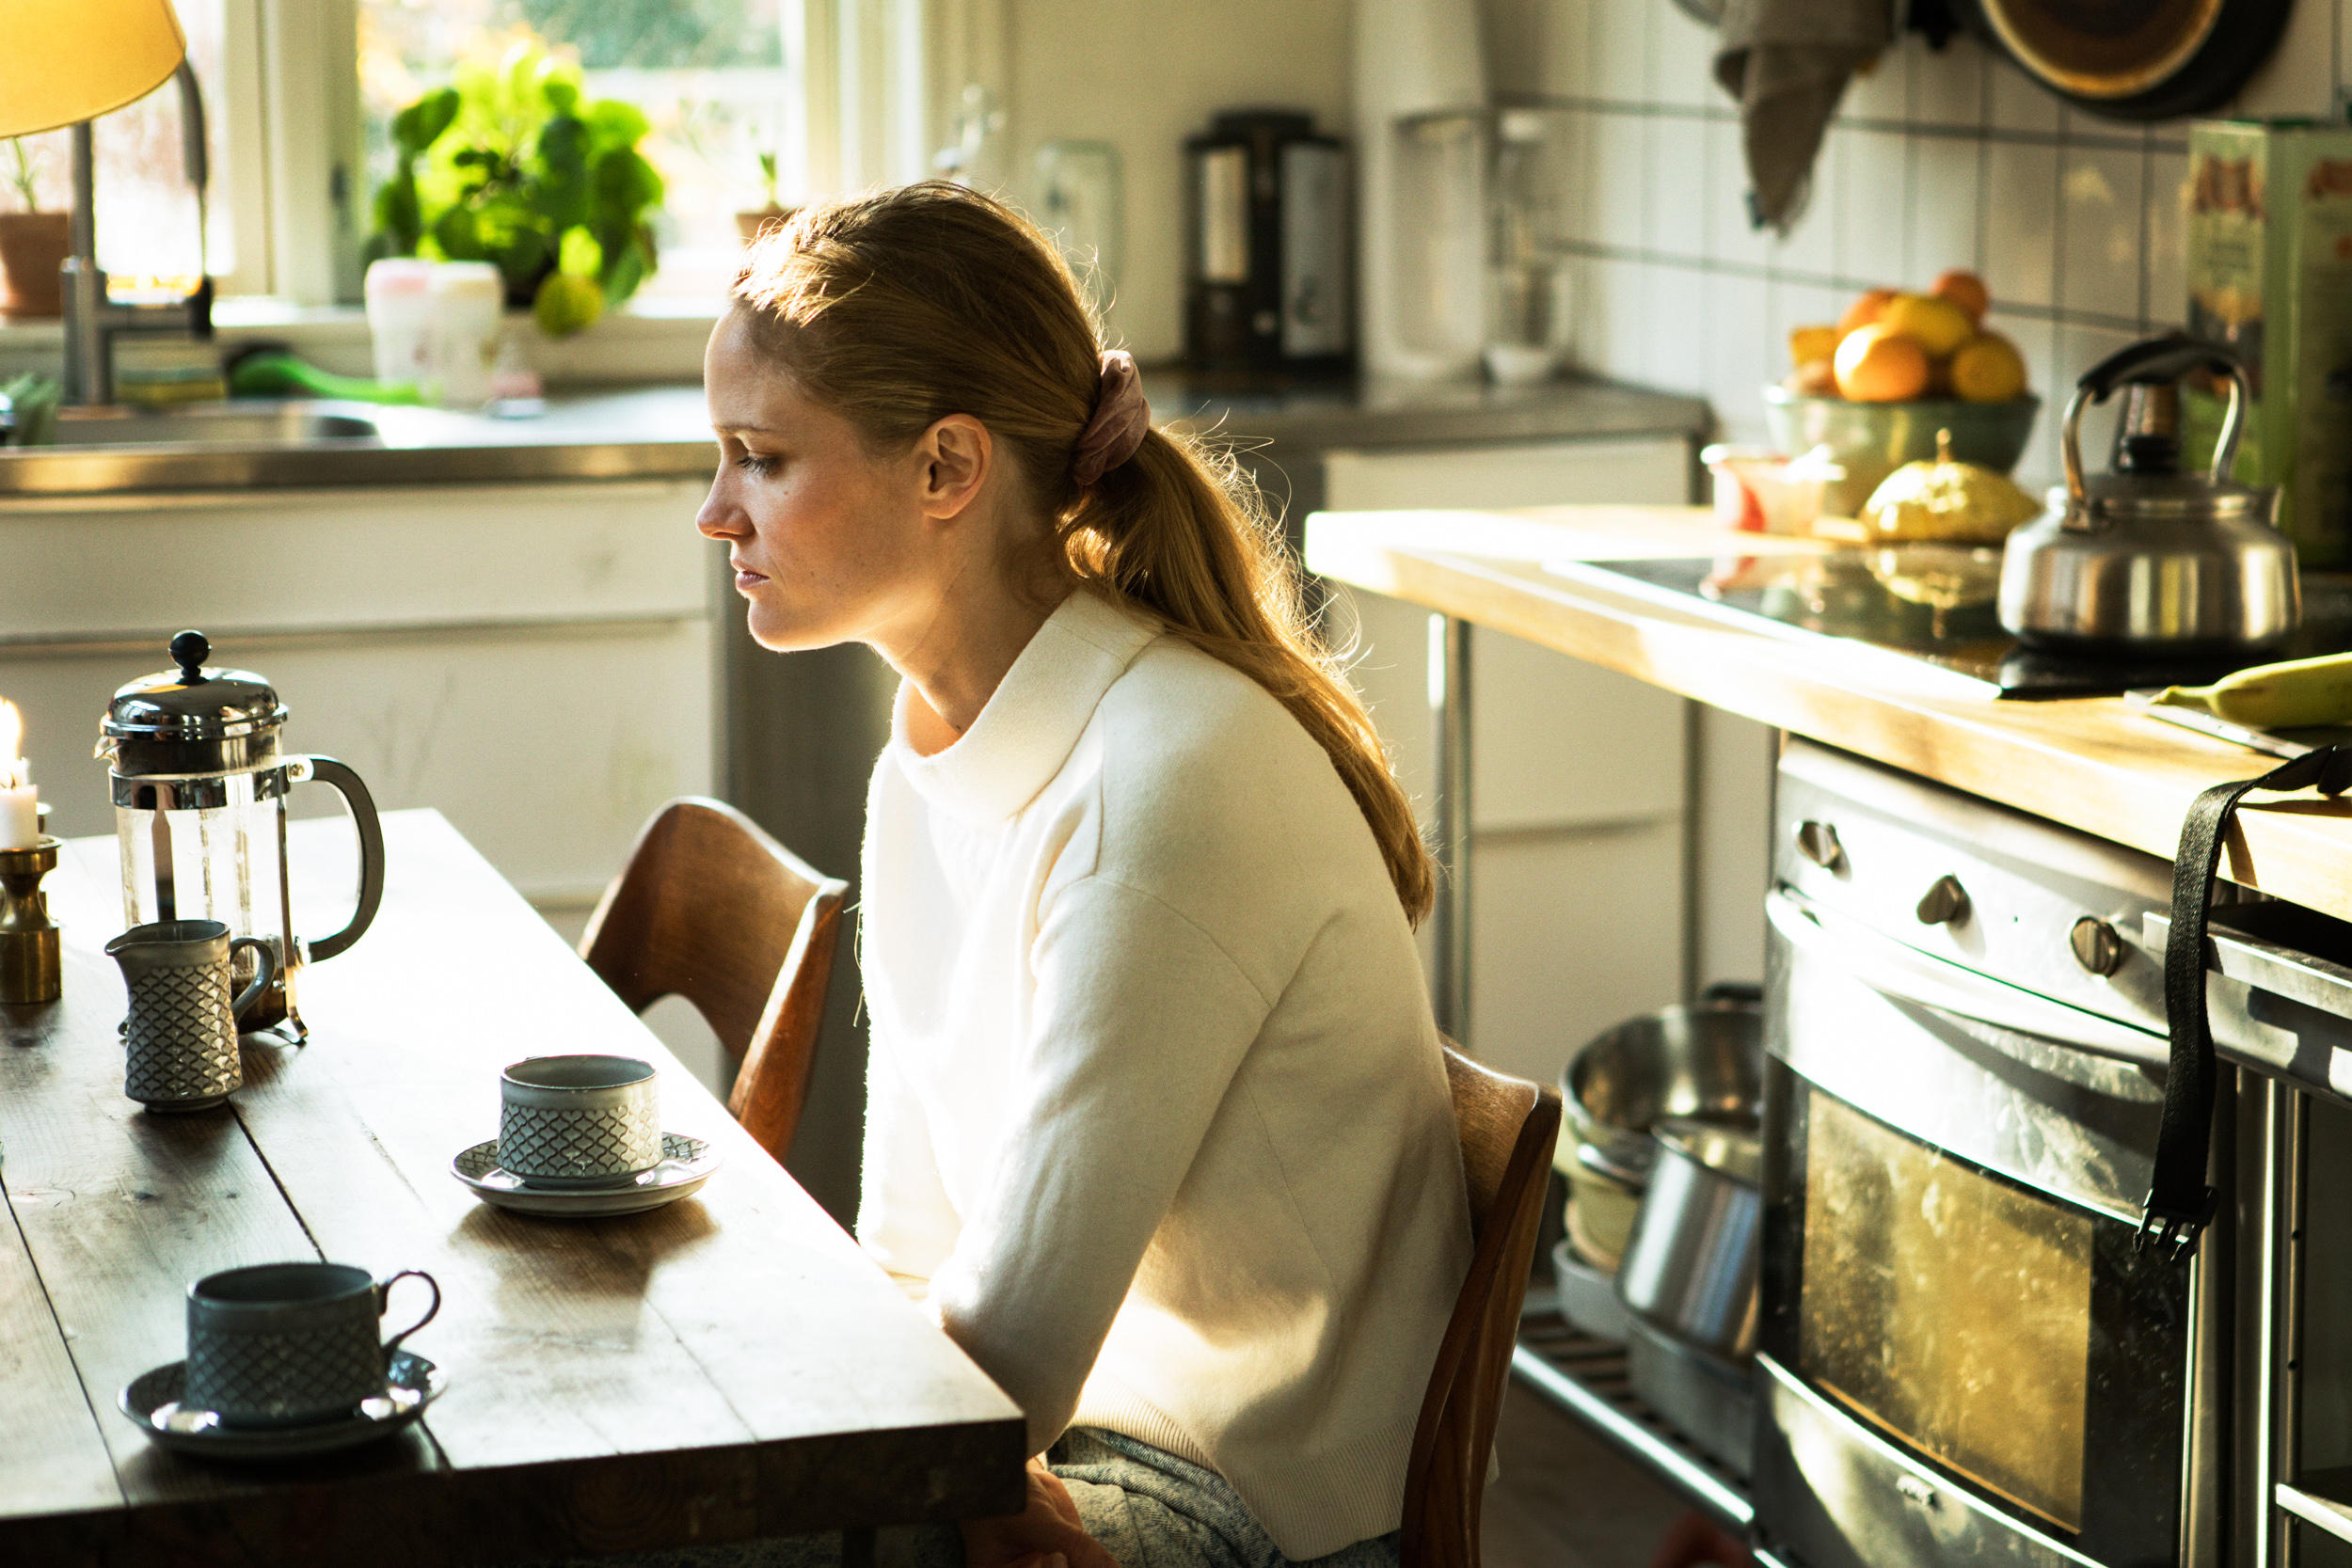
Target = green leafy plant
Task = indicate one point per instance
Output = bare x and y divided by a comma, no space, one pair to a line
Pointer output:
23,175
507,165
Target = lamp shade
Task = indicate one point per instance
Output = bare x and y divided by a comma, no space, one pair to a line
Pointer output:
68,60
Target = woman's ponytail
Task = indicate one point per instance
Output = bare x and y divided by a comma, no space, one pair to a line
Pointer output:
1179,530
900,308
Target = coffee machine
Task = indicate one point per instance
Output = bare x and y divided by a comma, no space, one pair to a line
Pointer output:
1266,284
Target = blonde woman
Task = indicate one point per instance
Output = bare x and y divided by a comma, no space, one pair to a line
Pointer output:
1157,1125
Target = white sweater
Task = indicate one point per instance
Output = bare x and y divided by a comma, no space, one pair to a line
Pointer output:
1157,1121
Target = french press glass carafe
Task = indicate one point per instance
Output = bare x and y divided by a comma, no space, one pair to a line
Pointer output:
199,791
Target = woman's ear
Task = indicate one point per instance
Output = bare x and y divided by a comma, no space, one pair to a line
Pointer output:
957,456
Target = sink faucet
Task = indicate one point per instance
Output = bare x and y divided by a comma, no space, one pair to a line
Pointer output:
92,322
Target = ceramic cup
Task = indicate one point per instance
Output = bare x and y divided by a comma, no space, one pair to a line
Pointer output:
182,1033
291,1344
578,1121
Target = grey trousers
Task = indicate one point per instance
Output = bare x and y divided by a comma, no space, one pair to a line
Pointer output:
1148,1508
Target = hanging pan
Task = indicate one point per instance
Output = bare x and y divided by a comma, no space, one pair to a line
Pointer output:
2134,59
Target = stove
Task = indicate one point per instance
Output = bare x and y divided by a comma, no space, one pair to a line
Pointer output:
1932,603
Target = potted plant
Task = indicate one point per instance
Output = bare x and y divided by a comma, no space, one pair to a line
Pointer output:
750,224
507,164
33,245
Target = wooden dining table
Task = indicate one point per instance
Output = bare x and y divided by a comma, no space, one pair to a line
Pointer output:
725,1367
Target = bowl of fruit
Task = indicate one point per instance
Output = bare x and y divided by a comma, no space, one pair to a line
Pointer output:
1876,387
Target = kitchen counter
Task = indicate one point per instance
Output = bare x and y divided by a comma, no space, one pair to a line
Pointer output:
664,433
2091,762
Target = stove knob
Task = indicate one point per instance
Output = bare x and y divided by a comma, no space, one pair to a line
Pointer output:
1944,904
1818,843
2096,946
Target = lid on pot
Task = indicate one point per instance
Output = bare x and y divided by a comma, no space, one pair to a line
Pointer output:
193,719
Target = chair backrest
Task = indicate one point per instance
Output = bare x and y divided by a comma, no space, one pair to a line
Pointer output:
712,909
1507,1126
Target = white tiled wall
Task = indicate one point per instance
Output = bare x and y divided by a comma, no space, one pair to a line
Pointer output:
1936,160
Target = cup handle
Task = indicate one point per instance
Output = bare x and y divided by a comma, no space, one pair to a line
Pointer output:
265,971
384,1300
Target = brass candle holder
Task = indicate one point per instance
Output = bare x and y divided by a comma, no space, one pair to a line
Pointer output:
31,958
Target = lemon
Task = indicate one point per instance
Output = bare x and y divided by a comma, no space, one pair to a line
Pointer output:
566,303
1933,322
1988,369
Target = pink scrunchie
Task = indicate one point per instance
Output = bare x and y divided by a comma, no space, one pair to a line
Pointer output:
1122,420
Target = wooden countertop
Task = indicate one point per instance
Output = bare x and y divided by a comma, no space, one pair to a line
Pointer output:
2090,763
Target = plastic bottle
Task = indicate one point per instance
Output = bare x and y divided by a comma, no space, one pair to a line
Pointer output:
469,298
400,318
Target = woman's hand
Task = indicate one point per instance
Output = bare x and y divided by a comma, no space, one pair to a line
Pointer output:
1045,1534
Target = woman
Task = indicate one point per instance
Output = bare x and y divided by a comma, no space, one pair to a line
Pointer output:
1157,1122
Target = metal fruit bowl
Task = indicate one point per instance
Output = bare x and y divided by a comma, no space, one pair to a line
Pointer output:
1871,440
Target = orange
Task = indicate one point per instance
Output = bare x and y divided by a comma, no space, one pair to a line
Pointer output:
1935,325
1963,289
1811,344
1878,365
1864,310
1988,369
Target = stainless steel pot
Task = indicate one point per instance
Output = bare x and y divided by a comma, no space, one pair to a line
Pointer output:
1702,1060
1690,1266
2146,559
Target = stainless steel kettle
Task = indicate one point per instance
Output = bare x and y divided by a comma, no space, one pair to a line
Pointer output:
2146,559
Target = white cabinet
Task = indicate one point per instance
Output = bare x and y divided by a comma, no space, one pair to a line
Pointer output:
1617,831
536,661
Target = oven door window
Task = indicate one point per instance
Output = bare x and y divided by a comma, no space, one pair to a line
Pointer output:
1949,1308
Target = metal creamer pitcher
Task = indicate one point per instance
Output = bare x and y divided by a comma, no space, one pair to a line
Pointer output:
200,793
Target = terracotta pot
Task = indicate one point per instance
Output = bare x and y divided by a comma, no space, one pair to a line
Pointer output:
32,246
750,224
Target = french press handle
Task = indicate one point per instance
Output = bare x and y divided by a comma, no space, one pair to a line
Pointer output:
343,782
2157,359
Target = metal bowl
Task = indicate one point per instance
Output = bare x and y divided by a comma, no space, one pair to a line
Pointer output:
1702,1061
1871,440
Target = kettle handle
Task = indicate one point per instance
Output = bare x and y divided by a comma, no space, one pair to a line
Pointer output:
343,782
2157,359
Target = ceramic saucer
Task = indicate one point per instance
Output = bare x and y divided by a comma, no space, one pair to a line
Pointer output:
686,1164
152,1402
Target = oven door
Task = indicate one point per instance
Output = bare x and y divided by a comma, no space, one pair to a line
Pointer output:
1962,1357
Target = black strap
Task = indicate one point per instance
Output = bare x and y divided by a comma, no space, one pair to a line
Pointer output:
2179,1202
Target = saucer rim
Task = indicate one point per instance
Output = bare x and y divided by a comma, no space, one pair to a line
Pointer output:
287,1442
672,1170
679,1180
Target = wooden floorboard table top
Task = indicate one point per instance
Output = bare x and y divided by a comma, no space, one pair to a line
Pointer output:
726,1367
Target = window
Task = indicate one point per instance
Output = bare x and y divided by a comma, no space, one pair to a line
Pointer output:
298,95
148,228
716,78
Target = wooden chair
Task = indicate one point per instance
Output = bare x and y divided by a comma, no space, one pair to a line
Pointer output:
1508,1127
712,909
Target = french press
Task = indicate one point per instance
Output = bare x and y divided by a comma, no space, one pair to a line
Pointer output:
199,791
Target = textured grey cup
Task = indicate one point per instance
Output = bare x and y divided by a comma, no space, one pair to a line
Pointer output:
286,1344
578,1120
181,1035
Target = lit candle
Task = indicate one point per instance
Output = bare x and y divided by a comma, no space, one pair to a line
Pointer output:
20,803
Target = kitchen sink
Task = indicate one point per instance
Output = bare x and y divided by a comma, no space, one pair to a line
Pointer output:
212,424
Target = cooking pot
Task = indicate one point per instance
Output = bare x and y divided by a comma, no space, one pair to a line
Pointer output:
1689,1265
1701,1060
2147,560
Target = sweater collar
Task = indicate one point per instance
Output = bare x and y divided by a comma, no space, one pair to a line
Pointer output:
1035,716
